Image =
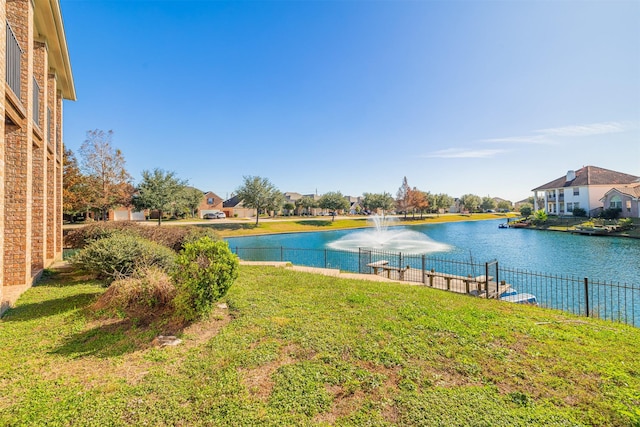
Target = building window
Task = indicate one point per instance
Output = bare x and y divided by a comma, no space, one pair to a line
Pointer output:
615,203
576,191
576,205
628,205
210,201
569,207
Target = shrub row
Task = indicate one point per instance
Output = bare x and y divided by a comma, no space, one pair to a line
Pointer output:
171,237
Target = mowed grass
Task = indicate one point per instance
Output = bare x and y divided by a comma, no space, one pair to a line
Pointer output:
302,349
296,225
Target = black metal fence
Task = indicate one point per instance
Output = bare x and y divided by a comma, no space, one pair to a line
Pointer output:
578,295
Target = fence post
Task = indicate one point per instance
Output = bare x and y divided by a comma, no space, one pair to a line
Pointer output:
486,278
586,294
325,258
424,265
399,259
281,254
359,260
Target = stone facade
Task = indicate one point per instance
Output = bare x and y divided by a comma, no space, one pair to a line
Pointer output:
37,76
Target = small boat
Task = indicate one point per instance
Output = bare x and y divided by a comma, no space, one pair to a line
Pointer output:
512,295
503,225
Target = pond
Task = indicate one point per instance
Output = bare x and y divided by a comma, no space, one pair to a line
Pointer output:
611,259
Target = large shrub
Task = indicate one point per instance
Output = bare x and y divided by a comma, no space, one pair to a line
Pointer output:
147,293
611,213
205,269
579,212
120,255
526,210
175,237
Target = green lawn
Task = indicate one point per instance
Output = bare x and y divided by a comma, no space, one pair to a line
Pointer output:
300,349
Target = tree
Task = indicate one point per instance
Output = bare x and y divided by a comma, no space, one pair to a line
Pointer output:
190,199
75,195
488,204
418,201
375,201
443,201
504,206
289,207
306,203
403,203
276,203
257,193
159,190
471,202
333,201
526,209
108,182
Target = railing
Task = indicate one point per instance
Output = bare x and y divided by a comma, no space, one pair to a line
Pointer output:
14,55
36,103
581,296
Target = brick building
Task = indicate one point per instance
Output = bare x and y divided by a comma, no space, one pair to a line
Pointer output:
37,74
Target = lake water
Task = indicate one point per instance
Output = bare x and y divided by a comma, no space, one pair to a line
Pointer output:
610,259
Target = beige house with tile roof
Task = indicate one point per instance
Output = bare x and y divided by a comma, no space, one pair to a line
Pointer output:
626,198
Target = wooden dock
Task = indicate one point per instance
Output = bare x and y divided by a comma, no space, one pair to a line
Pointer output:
473,285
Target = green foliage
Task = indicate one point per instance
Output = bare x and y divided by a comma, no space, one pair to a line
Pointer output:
375,201
488,203
119,255
611,213
526,210
80,237
579,212
471,202
159,190
205,269
259,194
171,237
333,201
540,217
625,223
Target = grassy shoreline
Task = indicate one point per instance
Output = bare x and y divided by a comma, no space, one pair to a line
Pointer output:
301,225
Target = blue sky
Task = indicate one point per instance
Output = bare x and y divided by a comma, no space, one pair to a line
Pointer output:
484,97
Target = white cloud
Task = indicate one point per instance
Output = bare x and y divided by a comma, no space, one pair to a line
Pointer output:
533,139
460,153
587,130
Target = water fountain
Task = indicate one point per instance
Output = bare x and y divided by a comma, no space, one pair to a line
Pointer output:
393,239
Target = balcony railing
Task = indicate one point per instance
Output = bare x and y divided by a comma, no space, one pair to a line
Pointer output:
14,55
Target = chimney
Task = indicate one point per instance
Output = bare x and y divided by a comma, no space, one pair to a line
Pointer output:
571,175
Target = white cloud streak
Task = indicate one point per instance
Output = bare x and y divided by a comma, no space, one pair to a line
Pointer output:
460,153
587,130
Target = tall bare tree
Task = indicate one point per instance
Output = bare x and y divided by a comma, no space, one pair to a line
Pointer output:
109,183
403,199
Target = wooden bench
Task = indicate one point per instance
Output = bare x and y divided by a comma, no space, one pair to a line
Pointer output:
378,265
383,265
448,278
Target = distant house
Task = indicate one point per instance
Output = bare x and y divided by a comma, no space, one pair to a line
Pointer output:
234,207
124,213
626,198
583,188
211,203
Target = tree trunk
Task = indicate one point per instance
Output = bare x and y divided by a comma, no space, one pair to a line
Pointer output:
257,216
159,217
